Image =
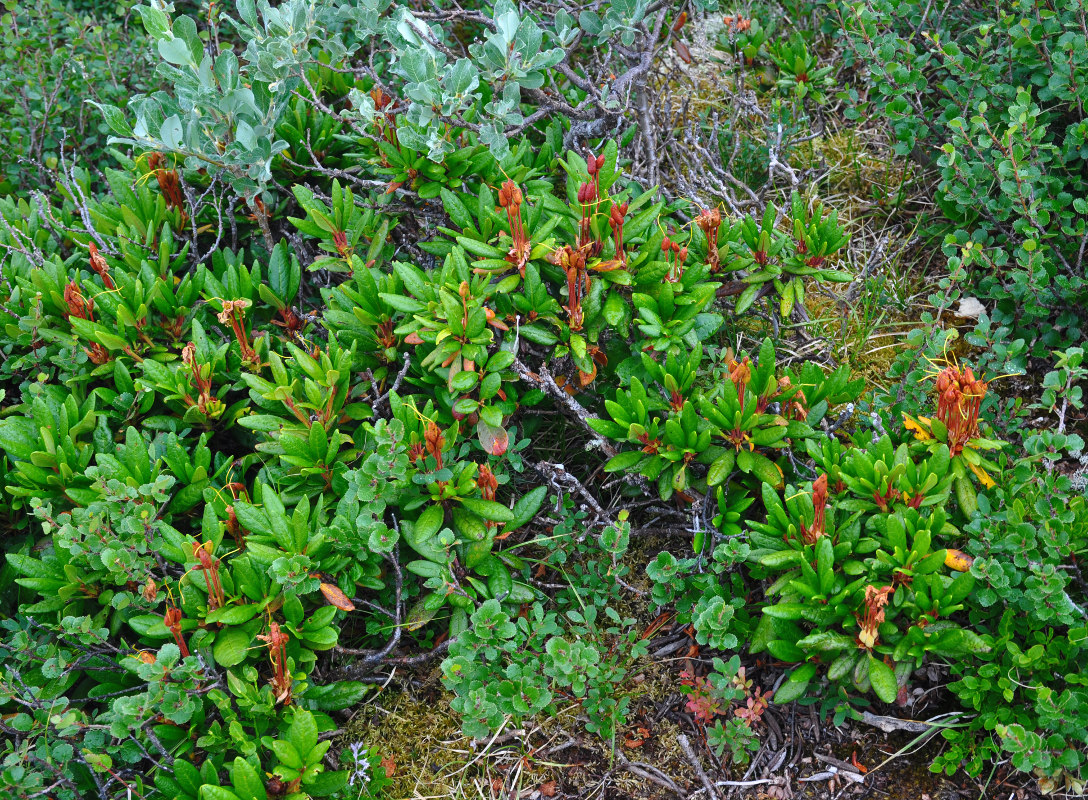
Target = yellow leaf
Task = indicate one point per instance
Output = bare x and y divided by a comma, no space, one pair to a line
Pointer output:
982,475
920,427
957,560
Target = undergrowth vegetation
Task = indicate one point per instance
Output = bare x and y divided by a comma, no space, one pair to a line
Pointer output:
374,340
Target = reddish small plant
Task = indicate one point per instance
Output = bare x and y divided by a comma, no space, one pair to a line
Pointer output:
385,336
593,167
233,526
340,240
290,321
740,373
755,705
701,701
885,499
276,640
97,353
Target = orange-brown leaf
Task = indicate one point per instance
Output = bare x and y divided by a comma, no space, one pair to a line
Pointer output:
337,598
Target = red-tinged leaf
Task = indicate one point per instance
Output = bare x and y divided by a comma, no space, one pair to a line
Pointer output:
413,338
683,52
548,789
389,765
493,440
337,598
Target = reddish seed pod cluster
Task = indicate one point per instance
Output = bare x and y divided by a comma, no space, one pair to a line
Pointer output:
99,265
819,508
510,199
386,120
78,306
593,165
169,184
209,566
710,221
232,314
172,620
434,441
676,263
589,195
740,372
487,483
960,396
83,308
738,23
616,217
573,263
202,379
276,640
875,601
796,408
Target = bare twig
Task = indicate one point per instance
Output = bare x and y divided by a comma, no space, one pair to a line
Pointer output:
693,759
